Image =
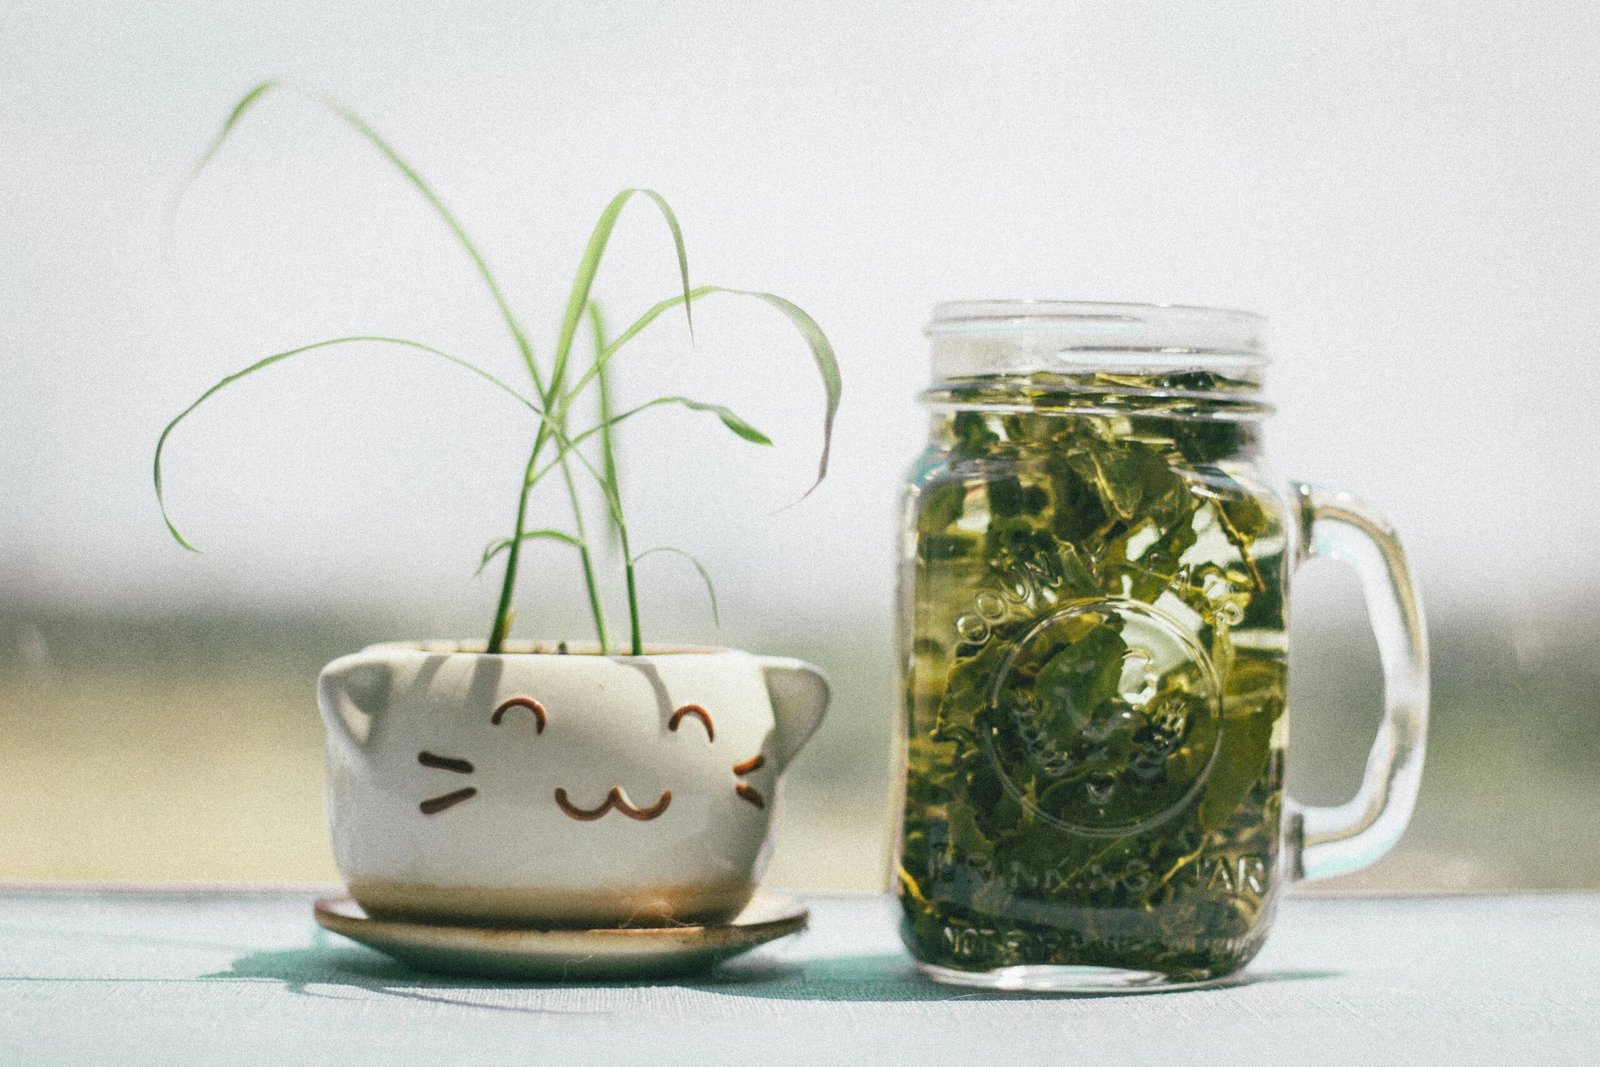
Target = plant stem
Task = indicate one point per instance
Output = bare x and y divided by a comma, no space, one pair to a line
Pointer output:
608,448
614,506
588,561
633,594
608,470
501,626
613,501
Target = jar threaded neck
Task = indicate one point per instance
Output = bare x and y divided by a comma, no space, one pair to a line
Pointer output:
1023,355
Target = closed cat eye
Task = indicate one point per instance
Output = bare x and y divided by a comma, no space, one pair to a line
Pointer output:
541,718
695,711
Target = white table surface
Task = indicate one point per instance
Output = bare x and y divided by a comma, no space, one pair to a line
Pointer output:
136,976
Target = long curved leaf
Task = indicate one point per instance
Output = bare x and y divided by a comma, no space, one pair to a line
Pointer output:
727,416
729,419
608,448
705,576
589,266
603,358
816,341
169,216
827,367
246,102
502,544
262,364
256,93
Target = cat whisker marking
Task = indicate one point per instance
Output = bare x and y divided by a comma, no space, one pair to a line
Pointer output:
444,763
435,805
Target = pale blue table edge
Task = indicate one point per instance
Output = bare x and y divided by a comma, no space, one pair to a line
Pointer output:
236,975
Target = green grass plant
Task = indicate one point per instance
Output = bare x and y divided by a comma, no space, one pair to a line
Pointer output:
557,447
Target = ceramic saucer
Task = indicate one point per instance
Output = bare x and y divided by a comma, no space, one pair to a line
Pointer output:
557,955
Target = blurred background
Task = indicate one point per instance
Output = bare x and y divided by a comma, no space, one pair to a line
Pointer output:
1408,190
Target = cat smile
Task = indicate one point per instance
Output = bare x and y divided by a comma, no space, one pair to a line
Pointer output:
614,799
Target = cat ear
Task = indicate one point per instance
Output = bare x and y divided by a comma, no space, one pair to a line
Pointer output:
351,691
799,695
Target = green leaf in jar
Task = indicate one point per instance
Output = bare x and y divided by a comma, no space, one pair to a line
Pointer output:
1084,816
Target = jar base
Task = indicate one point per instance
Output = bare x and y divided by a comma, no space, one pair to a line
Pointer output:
1062,978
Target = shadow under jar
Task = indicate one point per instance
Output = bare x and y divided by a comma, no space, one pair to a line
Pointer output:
1094,654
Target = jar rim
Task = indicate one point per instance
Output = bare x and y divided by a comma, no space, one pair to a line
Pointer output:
961,316
980,338
1161,358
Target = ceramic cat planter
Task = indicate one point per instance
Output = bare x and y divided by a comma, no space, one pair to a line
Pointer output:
552,790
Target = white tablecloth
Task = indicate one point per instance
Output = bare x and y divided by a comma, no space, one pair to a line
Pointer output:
92,976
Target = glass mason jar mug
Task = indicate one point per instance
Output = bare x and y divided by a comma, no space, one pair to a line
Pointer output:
1094,654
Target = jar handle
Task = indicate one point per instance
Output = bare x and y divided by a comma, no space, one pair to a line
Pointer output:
1345,837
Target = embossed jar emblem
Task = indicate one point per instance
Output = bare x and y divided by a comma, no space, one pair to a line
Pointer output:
1107,718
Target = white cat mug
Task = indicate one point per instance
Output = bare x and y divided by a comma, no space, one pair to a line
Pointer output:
554,790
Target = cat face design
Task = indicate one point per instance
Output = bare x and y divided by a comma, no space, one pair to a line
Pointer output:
559,789
691,718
